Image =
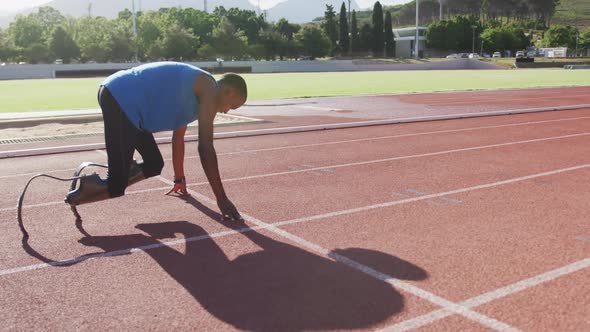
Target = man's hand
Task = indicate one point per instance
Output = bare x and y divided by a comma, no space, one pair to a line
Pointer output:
228,210
179,188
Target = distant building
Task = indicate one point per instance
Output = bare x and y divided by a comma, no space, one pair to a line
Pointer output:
404,41
554,52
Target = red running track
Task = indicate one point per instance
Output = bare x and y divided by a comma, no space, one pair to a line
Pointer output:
453,225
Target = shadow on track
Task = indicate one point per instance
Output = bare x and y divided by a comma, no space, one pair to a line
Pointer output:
280,287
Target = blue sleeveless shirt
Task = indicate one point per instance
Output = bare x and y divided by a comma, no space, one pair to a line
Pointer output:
157,96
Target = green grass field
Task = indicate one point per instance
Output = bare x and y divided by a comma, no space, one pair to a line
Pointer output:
67,94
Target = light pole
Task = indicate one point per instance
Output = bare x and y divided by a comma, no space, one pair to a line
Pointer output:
135,30
473,27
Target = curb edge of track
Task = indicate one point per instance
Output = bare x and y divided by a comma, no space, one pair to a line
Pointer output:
296,129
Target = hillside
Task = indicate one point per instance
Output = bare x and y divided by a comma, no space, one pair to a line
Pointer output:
573,12
302,11
297,11
569,12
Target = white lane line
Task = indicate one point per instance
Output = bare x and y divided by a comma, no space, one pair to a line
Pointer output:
124,251
35,173
355,164
453,307
345,141
417,321
369,162
484,101
62,202
517,287
427,197
392,137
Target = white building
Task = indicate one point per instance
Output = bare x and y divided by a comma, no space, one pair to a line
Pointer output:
554,52
404,41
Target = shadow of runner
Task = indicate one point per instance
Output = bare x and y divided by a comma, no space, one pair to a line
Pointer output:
281,287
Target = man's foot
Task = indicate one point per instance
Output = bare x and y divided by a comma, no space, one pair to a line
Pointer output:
135,173
92,189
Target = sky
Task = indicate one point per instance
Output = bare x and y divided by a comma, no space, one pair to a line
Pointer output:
9,6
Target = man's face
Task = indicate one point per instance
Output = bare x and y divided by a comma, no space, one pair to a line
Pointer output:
230,100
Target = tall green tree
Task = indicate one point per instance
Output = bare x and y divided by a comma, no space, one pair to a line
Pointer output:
148,32
7,49
560,36
354,33
378,32
584,41
273,43
94,38
25,31
313,41
453,35
229,41
287,29
344,41
48,18
62,45
37,53
122,42
245,20
366,36
175,43
389,38
331,27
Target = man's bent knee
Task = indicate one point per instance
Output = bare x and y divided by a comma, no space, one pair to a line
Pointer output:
151,169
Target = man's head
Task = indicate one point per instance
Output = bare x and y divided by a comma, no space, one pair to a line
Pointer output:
233,92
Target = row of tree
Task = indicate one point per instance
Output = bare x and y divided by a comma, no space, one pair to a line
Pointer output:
466,33
187,34
191,34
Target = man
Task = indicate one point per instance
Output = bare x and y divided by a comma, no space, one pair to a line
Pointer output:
163,96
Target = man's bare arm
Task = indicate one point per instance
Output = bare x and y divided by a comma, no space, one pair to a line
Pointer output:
206,89
178,161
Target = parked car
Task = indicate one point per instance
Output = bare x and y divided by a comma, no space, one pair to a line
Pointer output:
531,54
59,62
519,54
473,56
497,55
453,56
487,55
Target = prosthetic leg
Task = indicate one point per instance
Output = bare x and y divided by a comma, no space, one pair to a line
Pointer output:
91,189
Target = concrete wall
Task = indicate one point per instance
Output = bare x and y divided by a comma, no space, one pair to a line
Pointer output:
13,72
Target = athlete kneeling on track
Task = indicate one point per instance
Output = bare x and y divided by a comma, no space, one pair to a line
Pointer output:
163,96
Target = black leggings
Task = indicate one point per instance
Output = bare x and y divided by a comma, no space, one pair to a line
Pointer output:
122,138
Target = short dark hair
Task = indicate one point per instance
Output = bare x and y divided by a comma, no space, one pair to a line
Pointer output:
235,81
